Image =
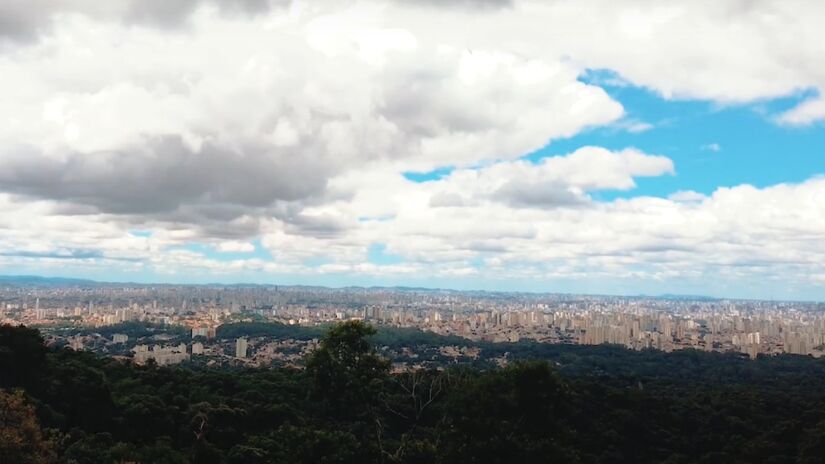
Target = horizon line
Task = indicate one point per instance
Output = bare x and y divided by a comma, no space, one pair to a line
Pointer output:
660,296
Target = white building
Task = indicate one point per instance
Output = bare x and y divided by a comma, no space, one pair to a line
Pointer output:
240,348
163,356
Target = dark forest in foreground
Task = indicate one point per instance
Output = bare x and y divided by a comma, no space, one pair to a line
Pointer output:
585,405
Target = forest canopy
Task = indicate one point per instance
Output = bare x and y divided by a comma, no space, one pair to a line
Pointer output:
568,404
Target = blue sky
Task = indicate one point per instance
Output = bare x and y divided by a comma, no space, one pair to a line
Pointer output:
752,147
712,145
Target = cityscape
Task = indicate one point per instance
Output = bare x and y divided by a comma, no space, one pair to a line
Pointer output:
665,323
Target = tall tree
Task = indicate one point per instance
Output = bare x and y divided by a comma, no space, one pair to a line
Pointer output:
346,372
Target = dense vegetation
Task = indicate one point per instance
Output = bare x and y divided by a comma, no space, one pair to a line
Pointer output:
133,330
574,404
264,329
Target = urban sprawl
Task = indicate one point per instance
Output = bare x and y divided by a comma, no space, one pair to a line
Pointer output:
664,323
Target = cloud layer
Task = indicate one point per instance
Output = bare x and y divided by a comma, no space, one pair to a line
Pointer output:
284,128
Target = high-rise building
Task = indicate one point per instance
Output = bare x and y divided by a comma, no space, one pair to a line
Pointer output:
240,348
199,331
208,332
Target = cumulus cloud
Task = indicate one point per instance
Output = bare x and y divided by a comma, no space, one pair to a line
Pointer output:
741,231
222,122
261,124
559,181
446,200
805,113
162,174
27,21
235,247
686,195
518,194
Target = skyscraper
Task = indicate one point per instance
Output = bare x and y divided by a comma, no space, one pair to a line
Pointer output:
240,348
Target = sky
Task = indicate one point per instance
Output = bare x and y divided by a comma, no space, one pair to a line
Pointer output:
591,146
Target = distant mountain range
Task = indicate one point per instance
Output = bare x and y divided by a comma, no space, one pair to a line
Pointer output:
34,280
43,281
671,296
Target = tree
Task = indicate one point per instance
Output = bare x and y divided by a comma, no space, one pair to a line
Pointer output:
812,449
21,440
345,367
22,355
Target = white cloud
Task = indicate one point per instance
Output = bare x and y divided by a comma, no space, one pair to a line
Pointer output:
686,196
805,113
740,232
259,112
714,147
294,121
639,127
235,247
734,231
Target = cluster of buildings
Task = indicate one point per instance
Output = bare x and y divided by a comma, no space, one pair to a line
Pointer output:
175,354
750,327
162,355
638,325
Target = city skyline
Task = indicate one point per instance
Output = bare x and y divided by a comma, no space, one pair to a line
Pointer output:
616,148
73,313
